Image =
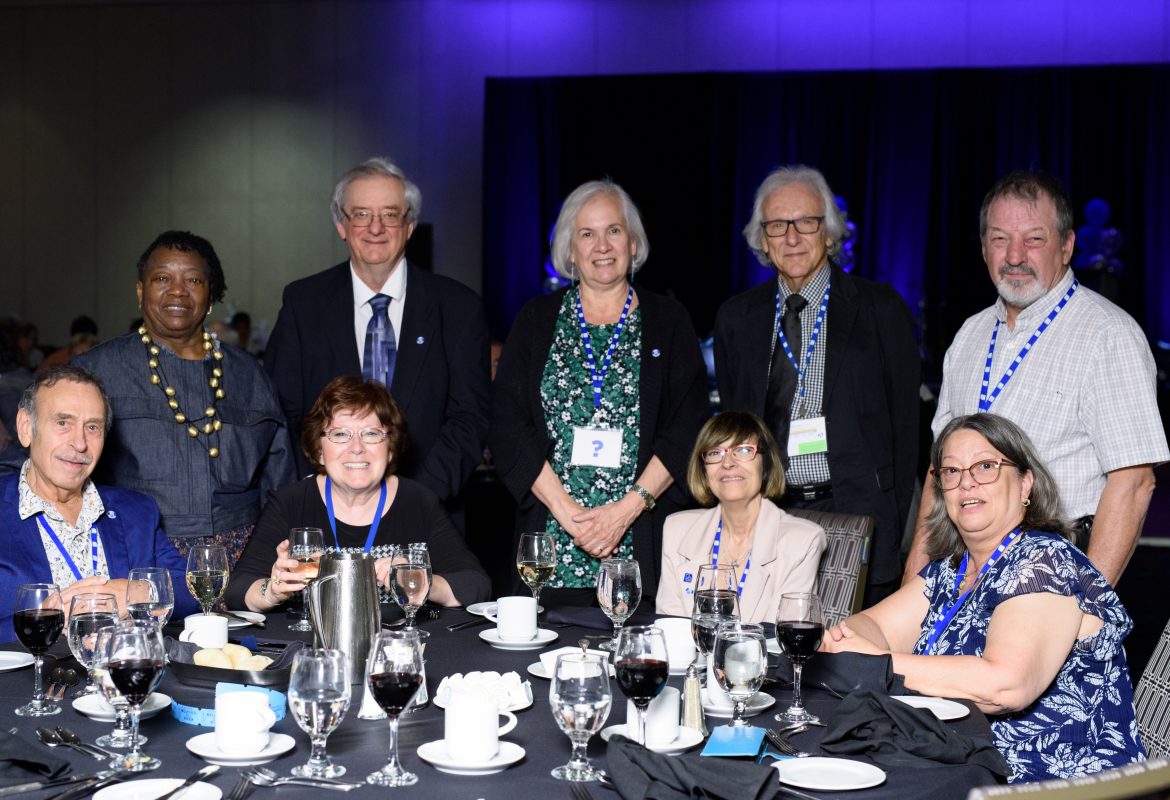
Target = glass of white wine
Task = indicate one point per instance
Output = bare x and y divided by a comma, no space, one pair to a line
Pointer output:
410,582
207,574
305,545
318,696
150,594
536,561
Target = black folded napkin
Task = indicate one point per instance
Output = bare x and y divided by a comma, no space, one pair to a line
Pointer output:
22,762
844,673
639,773
897,735
594,618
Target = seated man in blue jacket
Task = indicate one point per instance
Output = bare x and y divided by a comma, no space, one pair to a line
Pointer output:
56,525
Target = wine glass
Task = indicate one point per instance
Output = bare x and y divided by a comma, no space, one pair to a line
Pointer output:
739,661
619,590
642,668
394,673
88,613
318,697
704,624
717,590
536,561
119,737
38,619
135,666
410,582
207,574
150,595
306,546
800,626
580,698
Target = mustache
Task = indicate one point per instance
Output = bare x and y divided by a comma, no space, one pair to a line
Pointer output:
78,458
1016,270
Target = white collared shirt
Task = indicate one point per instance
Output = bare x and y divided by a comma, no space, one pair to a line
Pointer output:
75,538
395,287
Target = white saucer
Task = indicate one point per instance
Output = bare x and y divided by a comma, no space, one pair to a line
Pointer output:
686,739
760,702
681,670
435,754
537,670
11,661
252,616
543,638
943,709
773,646
205,747
96,708
157,787
828,774
489,605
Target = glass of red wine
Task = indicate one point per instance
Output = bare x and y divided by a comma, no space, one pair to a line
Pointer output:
135,667
38,619
800,626
642,668
394,673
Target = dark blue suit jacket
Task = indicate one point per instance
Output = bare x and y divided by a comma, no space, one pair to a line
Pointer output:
130,534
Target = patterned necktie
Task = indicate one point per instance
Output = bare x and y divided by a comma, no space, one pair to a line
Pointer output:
782,381
381,350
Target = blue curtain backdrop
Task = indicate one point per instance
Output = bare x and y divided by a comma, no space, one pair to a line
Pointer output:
913,153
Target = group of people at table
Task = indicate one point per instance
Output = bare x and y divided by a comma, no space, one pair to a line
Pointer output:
600,428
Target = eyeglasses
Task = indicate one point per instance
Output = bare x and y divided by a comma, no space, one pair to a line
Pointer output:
741,452
364,218
345,436
982,472
775,228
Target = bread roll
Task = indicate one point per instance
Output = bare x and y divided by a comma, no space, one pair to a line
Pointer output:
254,663
213,657
237,653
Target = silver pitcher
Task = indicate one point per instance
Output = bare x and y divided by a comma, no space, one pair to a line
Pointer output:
343,603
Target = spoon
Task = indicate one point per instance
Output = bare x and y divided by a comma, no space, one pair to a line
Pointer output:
266,777
69,737
51,738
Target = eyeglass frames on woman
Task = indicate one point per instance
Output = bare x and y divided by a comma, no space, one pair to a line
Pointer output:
775,228
345,436
741,452
364,218
982,472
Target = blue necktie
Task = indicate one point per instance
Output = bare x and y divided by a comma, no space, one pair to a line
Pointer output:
381,349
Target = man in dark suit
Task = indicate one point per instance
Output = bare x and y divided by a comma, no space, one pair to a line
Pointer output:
423,335
829,361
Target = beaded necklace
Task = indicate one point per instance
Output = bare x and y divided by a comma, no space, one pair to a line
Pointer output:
211,423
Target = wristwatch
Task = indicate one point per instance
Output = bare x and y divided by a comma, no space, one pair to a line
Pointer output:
647,498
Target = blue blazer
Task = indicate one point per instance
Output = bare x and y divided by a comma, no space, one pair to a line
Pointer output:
130,534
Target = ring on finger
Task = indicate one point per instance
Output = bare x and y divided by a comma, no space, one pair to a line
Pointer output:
276,580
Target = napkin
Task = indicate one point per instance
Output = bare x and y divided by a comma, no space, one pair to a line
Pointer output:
844,673
594,618
21,762
505,690
897,735
639,773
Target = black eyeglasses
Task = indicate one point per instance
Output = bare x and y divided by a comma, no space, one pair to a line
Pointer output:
364,218
741,452
775,228
982,472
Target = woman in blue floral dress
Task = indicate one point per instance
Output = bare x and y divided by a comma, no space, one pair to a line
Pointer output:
1009,614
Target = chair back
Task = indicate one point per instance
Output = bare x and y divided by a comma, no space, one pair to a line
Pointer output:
1142,780
1152,700
845,562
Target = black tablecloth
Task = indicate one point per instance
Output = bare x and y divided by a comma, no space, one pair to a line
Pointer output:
362,745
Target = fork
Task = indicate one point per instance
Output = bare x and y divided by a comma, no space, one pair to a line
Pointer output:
242,789
578,791
783,745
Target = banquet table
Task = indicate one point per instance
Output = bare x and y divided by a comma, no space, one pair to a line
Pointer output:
361,746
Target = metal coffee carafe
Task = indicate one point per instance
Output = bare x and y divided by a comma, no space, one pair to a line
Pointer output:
343,603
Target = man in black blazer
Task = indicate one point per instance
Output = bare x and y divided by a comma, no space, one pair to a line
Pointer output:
847,419
438,346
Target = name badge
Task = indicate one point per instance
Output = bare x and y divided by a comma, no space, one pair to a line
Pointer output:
807,436
597,447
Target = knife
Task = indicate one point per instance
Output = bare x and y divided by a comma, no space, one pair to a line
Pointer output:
89,787
48,784
471,623
206,772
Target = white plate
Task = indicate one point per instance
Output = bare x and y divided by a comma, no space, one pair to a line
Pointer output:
679,670
686,739
828,774
253,616
760,702
490,605
543,638
435,754
773,646
96,708
157,787
205,747
537,670
943,709
11,661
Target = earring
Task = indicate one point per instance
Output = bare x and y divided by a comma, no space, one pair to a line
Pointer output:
1027,502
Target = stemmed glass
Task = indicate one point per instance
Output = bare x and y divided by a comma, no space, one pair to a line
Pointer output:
394,673
38,619
717,590
150,595
89,613
739,661
410,582
119,737
536,561
619,590
305,546
642,668
207,574
704,625
318,697
580,698
800,626
135,667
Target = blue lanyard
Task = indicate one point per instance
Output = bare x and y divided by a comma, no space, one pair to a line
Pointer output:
715,557
985,400
802,365
954,607
597,379
93,546
373,525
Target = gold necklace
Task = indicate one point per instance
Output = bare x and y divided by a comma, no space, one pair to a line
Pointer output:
212,425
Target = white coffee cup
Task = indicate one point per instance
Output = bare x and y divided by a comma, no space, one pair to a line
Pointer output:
680,643
515,618
205,630
471,729
661,718
713,693
242,720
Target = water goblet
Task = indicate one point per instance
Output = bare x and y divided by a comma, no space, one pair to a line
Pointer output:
119,737
536,561
89,612
717,590
318,697
800,626
38,618
150,594
135,666
305,545
581,698
410,582
739,660
704,625
394,673
619,590
642,667
207,574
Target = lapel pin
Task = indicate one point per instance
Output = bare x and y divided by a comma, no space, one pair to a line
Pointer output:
112,514
656,352
421,340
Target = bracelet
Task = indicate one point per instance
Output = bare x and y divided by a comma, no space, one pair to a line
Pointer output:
647,498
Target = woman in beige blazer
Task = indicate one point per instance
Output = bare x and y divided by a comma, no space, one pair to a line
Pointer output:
734,468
